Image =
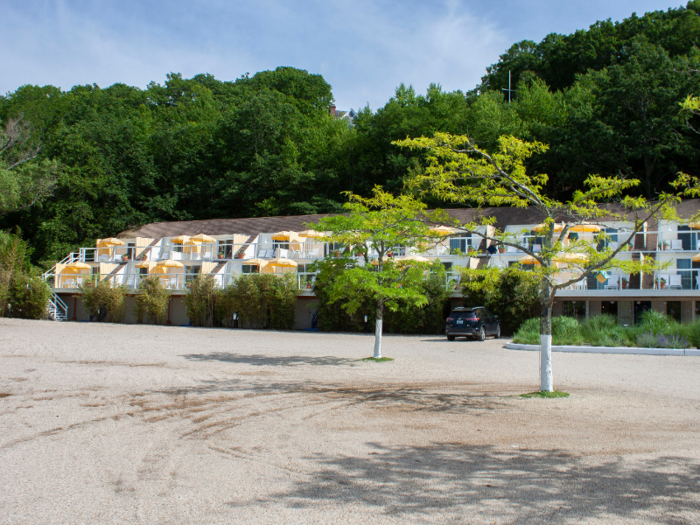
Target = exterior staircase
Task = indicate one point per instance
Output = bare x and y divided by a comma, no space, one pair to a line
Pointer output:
56,310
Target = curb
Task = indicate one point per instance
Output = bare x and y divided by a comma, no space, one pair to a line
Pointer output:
608,350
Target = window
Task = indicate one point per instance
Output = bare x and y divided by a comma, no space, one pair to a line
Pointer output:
688,237
673,309
461,244
250,268
226,249
448,266
143,271
177,248
688,272
191,273
575,309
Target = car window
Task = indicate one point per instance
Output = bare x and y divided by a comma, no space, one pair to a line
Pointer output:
464,315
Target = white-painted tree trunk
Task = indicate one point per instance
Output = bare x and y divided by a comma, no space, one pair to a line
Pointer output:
546,363
378,339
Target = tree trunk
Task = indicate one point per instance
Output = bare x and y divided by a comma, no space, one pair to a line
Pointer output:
378,331
546,347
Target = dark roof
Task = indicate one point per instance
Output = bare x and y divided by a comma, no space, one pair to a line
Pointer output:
251,226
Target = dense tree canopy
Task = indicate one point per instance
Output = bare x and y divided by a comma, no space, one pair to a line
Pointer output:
606,100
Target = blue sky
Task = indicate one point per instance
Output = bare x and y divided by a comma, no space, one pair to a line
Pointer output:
363,48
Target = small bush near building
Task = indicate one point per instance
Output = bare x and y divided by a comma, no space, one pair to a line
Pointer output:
152,301
655,330
259,301
201,300
103,301
22,291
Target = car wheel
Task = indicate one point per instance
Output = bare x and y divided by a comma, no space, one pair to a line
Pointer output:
482,334
450,337
498,331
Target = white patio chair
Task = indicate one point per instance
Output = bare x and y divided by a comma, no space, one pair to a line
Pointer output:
677,244
511,249
104,258
613,282
283,253
313,254
614,245
536,248
675,281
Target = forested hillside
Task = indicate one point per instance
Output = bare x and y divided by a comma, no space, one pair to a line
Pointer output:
605,99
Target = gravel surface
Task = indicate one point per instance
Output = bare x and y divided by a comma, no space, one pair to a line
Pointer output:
103,423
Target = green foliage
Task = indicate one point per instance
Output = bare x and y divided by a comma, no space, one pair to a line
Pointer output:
104,301
22,291
603,330
510,294
152,301
28,296
260,301
201,300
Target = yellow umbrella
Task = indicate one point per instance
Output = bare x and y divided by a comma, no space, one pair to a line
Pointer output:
169,263
76,267
696,258
542,227
375,262
585,227
571,258
282,262
143,264
312,234
528,259
111,241
444,230
180,239
695,225
416,258
282,236
203,238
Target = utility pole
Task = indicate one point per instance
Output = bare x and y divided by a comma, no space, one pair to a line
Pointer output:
508,90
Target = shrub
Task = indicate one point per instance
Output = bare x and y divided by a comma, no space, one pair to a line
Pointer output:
152,301
652,340
528,333
28,296
260,300
103,300
603,330
565,331
691,332
201,300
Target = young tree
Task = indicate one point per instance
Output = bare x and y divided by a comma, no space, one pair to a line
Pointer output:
459,171
369,235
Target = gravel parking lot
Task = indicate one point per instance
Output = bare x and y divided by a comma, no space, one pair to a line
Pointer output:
103,423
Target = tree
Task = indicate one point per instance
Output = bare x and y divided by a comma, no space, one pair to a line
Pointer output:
459,171
24,181
375,229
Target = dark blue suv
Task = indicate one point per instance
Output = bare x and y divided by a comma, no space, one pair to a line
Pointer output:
475,323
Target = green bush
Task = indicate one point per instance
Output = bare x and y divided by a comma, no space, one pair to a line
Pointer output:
603,330
28,296
528,333
152,301
260,301
102,300
201,300
566,331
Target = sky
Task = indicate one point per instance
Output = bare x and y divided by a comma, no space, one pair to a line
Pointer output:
363,48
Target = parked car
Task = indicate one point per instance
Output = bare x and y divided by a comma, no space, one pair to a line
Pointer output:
475,323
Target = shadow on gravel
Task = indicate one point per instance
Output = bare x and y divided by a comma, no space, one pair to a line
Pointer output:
465,483
266,360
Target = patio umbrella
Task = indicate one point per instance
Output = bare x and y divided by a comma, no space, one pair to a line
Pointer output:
311,234
169,263
696,258
444,230
543,227
201,237
282,262
528,259
143,264
109,242
585,227
256,262
695,225
76,267
416,258
180,239
282,236
572,258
